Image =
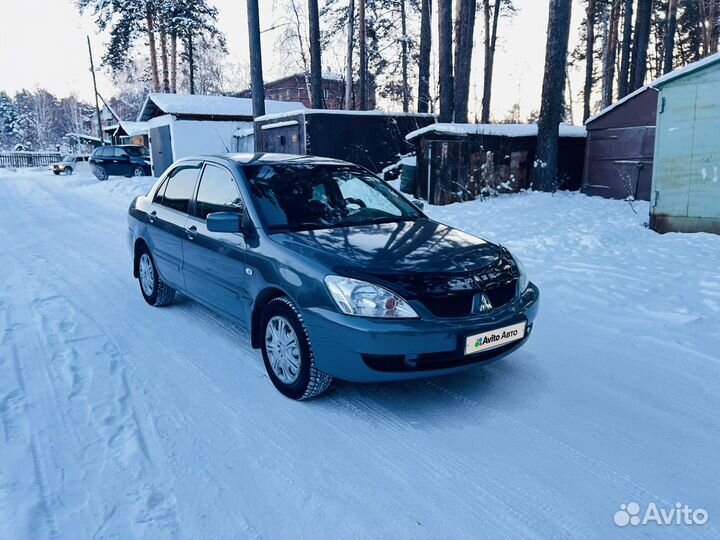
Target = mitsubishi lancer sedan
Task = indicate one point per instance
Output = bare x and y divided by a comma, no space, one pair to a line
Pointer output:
332,271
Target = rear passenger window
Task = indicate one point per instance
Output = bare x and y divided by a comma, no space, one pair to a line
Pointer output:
180,187
217,193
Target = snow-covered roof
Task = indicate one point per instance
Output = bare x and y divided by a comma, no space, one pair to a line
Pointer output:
619,102
131,128
85,137
278,115
134,128
499,130
244,132
287,123
686,70
209,106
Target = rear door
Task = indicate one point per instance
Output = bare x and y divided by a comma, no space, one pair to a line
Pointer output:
168,218
214,263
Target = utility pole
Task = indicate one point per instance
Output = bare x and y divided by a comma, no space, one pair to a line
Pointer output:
256,73
97,103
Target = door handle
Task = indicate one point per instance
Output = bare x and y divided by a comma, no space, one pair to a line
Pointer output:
191,232
151,216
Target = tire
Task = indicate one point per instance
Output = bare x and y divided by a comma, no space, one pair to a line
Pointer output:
138,171
154,290
68,171
100,173
56,173
295,376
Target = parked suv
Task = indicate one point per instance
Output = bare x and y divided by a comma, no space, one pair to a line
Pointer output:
333,272
68,164
124,160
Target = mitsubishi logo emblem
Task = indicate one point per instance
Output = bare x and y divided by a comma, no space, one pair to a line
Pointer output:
483,303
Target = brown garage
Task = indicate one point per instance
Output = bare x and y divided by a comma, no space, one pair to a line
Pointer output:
620,148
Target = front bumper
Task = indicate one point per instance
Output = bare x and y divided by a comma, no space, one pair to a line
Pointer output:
370,350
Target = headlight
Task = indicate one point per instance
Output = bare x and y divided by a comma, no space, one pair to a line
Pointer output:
355,297
522,279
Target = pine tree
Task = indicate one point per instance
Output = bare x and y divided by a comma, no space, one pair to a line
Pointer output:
445,42
464,28
424,98
551,111
7,121
641,40
491,17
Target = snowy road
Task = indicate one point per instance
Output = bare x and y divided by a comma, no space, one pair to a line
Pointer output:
118,420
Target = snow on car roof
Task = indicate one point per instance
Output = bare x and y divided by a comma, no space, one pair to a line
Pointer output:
195,105
500,130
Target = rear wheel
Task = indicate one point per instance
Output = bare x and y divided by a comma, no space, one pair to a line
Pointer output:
154,290
287,352
100,173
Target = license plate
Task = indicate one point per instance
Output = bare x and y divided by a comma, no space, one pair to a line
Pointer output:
491,339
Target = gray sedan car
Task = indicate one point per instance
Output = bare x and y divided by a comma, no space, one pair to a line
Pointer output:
333,272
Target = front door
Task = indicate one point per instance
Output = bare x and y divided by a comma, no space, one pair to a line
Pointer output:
168,219
214,263
119,162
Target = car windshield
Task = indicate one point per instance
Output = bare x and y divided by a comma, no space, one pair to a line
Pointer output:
136,150
68,159
304,197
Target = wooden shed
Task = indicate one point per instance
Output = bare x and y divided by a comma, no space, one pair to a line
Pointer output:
458,162
686,176
373,139
620,148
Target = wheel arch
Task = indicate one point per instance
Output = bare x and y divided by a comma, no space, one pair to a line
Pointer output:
263,299
140,246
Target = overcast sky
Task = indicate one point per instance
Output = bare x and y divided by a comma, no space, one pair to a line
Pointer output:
42,43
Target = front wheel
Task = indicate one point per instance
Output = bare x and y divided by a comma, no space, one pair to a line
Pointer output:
154,290
68,171
138,171
287,352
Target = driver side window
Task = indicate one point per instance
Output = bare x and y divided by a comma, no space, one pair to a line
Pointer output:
217,193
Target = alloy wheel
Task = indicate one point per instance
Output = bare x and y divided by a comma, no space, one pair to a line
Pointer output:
147,274
283,349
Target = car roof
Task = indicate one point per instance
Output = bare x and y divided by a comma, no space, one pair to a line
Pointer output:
262,158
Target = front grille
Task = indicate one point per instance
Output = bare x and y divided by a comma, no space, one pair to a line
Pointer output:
461,304
500,295
451,305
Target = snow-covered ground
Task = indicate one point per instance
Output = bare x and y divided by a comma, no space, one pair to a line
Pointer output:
123,421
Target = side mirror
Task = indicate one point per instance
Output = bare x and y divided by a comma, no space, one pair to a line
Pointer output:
224,222
418,204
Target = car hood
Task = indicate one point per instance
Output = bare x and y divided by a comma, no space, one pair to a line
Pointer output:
401,253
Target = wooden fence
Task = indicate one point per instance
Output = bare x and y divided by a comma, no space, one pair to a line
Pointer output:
28,159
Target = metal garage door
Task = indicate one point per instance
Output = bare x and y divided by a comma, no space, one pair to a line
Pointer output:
161,148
